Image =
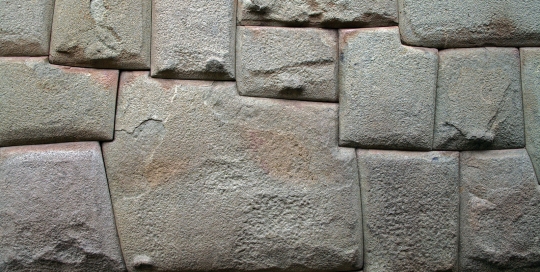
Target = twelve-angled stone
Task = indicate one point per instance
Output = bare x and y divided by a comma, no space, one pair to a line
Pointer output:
530,81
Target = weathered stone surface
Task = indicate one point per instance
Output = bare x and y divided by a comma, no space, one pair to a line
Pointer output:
203,179
530,81
499,212
102,34
55,210
25,27
44,103
410,204
387,91
193,39
325,13
469,23
293,63
479,100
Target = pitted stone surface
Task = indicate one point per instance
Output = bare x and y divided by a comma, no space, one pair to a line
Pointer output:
193,39
479,100
410,204
102,34
530,81
55,210
203,179
387,91
293,63
499,212
44,103
25,27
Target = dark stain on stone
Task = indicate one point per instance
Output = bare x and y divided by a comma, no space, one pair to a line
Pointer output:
291,92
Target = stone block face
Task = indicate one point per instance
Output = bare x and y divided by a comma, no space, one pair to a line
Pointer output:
203,179
469,23
55,210
499,212
479,100
387,91
25,27
319,13
44,103
102,34
530,81
410,204
193,39
292,63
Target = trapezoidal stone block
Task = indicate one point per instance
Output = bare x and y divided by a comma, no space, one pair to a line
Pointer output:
55,210
530,81
203,179
387,91
44,103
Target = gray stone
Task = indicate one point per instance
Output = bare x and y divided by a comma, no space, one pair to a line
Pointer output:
469,23
55,210
325,13
25,27
479,100
499,212
44,103
410,204
102,34
203,179
530,81
387,91
193,39
292,63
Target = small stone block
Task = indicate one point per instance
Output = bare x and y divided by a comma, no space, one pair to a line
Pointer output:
530,81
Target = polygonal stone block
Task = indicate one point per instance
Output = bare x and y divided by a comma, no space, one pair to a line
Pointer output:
530,81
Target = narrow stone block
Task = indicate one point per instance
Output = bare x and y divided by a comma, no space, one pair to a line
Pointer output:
203,179
387,91
55,210
499,212
193,39
530,81
410,204
292,63
102,34
44,103
479,100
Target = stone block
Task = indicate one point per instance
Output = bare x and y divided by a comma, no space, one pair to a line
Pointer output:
292,63
193,39
530,82
44,103
387,91
55,210
499,212
203,179
102,34
479,100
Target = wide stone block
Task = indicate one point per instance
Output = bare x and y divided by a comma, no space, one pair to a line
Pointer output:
44,103
479,100
530,81
499,212
203,179
410,204
55,210
387,91
193,39
102,34
292,63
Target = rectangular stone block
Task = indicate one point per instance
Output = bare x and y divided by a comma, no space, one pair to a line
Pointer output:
102,34
387,91
193,39
530,81
291,63
44,103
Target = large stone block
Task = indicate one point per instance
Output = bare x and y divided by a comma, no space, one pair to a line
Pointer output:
193,39
102,34
44,103
530,81
25,27
203,179
55,210
469,23
410,204
499,212
293,63
387,91
479,100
